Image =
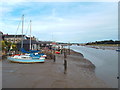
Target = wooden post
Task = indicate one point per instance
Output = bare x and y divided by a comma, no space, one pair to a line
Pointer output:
69,48
54,51
65,62
65,54
61,51
65,66
51,56
54,58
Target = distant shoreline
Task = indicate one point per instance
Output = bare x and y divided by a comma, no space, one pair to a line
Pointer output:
109,47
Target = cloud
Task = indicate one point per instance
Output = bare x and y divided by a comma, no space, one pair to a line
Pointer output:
16,1
74,22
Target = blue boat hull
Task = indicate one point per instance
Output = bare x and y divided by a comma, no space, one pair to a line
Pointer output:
25,60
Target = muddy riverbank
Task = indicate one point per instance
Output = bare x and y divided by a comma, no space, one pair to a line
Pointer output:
80,74
103,47
105,61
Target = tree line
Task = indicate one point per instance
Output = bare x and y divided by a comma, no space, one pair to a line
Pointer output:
104,42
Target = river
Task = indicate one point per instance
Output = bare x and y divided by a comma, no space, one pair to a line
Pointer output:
106,62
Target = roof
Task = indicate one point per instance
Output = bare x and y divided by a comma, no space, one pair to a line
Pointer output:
45,42
28,42
12,36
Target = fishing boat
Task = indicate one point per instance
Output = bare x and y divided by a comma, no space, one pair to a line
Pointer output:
31,56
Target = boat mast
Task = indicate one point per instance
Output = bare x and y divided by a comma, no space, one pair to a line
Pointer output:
22,31
30,34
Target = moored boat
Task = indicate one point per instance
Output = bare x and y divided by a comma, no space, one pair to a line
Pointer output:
118,50
31,56
25,59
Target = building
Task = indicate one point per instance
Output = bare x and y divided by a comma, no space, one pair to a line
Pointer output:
1,35
13,38
50,45
26,45
45,43
35,45
32,37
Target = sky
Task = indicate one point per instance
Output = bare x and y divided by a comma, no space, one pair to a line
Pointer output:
79,22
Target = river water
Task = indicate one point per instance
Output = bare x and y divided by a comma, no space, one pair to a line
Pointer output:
106,62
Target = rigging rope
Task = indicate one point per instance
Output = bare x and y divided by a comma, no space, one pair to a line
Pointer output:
15,35
27,29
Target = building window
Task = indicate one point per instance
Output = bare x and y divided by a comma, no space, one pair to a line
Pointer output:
47,44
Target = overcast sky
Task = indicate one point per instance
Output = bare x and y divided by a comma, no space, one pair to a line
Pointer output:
62,21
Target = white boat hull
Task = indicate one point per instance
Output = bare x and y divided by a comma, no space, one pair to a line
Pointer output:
12,59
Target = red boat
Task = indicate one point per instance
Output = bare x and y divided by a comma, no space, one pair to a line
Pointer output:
57,52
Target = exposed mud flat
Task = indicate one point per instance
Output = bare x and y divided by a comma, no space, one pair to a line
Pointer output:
104,47
80,74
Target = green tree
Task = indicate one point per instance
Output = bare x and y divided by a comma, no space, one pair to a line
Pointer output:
6,46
